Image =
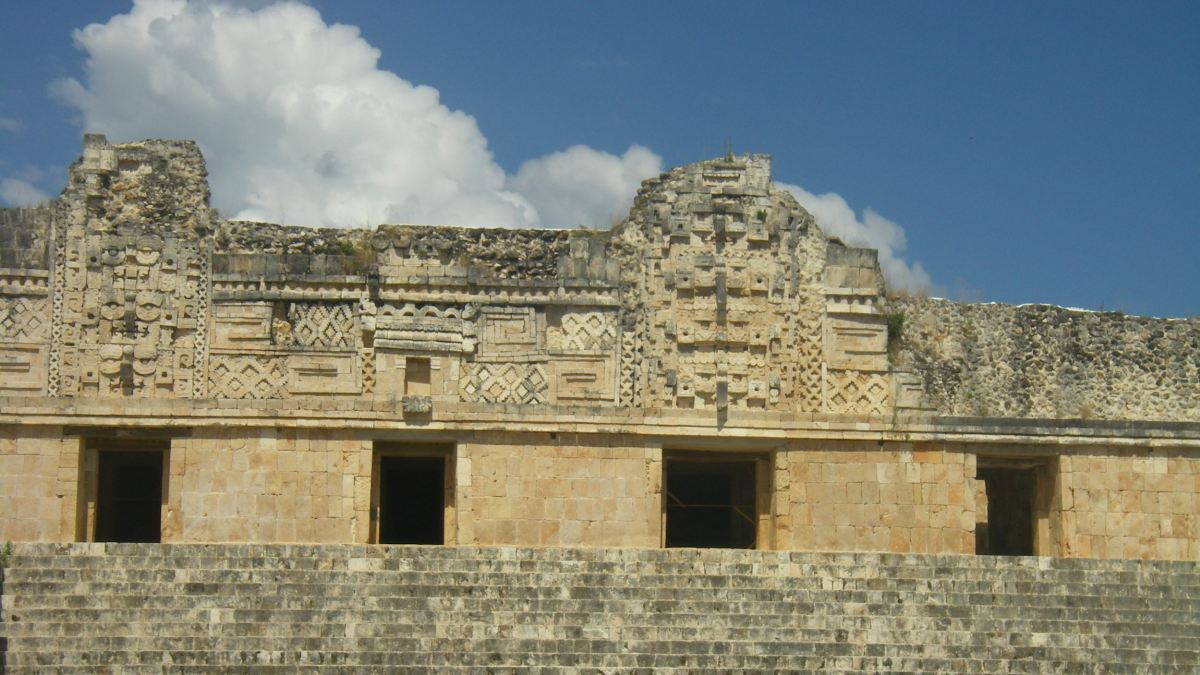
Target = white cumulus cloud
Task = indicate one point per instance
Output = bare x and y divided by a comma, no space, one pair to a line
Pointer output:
583,186
872,230
16,192
300,125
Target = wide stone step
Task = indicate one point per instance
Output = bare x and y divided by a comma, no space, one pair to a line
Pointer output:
1030,585
99,596
262,608
406,636
415,561
628,654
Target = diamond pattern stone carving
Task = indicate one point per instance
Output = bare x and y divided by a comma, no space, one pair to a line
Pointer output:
587,331
852,391
250,377
23,318
522,383
322,324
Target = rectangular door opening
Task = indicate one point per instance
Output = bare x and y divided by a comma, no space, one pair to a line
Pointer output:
711,504
1005,520
412,499
129,495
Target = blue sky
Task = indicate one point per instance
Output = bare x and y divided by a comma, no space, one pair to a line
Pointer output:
1027,152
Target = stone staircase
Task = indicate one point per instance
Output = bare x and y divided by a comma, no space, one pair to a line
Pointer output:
127,608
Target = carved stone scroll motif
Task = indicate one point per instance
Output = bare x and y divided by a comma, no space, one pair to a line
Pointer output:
424,328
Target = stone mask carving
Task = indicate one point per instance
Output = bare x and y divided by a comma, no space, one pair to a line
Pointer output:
110,360
148,306
148,248
112,254
145,360
112,307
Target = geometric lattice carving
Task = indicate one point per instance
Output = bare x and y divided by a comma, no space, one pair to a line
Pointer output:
322,324
507,330
199,284
522,383
53,366
245,377
583,331
23,318
808,354
852,391
628,393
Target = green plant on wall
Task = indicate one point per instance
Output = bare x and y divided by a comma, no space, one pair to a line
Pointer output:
895,326
359,255
5,554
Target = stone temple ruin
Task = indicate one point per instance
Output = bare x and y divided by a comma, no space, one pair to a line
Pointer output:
600,418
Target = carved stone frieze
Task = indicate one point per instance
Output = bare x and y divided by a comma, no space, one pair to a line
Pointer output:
425,328
257,377
858,392
322,324
581,330
717,292
24,318
521,383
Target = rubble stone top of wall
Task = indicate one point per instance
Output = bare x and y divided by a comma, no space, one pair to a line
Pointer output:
507,253
995,360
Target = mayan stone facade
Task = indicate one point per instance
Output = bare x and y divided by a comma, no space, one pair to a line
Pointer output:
575,385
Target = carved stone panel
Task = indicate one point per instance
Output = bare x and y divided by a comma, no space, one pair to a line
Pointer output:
322,374
238,376
522,383
22,369
508,330
857,392
580,330
24,318
322,324
424,328
857,341
130,304
584,379
242,325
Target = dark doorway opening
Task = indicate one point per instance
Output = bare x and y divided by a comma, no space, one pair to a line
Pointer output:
129,496
711,504
412,500
1007,527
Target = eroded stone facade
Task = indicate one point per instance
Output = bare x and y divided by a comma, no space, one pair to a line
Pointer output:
559,372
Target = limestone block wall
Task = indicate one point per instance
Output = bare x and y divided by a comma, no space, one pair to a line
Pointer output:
1042,361
1127,503
280,485
901,497
568,490
38,474
272,485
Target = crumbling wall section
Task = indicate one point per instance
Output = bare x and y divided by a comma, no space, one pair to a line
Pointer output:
1049,362
25,237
